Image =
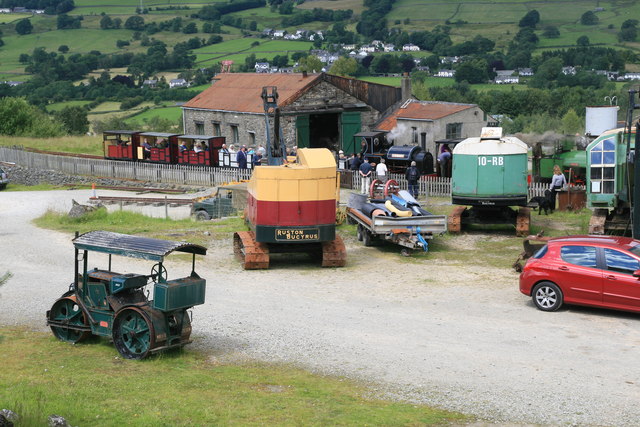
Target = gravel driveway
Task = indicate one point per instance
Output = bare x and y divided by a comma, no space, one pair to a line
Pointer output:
439,333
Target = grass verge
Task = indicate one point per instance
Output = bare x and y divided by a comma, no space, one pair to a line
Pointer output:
135,223
88,384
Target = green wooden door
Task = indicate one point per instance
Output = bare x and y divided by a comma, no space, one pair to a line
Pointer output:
302,130
350,126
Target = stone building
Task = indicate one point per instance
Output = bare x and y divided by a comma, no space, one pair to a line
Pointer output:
425,122
317,110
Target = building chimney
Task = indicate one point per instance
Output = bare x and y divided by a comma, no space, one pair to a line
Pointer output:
304,74
405,86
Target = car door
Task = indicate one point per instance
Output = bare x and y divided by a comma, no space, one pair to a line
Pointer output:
621,288
578,274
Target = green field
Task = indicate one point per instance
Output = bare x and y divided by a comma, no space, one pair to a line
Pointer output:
169,113
61,105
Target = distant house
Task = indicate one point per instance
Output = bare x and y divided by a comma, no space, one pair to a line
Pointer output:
450,59
569,71
632,76
446,73
5,10
349,47
174,83
150,83
503,79
278,34
422,68
410,48
262,67
267,32
525,72
367,48
13,83
316,35
389,47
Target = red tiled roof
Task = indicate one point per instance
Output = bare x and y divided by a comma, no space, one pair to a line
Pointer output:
241,91
418,110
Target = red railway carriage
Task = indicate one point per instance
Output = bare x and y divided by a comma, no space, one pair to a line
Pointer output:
158,147
121,144
199,149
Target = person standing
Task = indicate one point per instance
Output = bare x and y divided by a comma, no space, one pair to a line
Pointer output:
413,175
354,162
557,182
444,160
241,157
381,171
365,176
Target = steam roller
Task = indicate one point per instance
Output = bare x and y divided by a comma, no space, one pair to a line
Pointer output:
291,208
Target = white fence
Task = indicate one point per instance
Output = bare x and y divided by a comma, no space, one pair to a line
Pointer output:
192,175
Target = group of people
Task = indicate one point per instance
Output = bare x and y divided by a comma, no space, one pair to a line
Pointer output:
242,155
198,147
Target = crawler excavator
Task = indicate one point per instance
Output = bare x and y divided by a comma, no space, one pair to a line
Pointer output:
291,205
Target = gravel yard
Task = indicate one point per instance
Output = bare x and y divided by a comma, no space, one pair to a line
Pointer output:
438,333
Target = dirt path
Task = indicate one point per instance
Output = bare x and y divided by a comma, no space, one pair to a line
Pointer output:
432,332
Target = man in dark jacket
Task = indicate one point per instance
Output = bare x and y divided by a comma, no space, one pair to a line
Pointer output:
355,162
365,176
241,157
413,175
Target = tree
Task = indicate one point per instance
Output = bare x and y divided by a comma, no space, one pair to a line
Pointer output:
531,19
106,23
190,28
24,27
589,18
135,23
344,66
628,30
472,71
74,120
571,123
311,64
19,118
63,48
583,41
551,32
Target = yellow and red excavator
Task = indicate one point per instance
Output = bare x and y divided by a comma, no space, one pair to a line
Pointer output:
291,205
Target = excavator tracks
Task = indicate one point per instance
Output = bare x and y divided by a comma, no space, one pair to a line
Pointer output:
253,255
334,253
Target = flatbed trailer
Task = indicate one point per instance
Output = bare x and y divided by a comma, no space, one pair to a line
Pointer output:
409,232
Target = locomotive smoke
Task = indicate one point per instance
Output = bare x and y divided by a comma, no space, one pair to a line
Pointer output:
396,132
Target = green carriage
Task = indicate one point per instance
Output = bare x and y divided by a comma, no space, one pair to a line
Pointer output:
103,302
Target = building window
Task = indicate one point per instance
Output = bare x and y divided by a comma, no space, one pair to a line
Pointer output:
234,134
252,139
414,135
603,167
216,129
454,130
199,128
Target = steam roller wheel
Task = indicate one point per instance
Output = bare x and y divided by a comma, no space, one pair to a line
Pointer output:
67,311
391,187
133,333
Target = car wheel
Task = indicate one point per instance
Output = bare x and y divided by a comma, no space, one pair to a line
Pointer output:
203,216
547,296
360,232
367,238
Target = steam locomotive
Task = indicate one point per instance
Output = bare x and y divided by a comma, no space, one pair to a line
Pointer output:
375,146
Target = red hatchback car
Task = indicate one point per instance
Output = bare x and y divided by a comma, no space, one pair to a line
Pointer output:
598,271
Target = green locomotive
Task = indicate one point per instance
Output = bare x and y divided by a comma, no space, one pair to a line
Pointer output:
105,303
